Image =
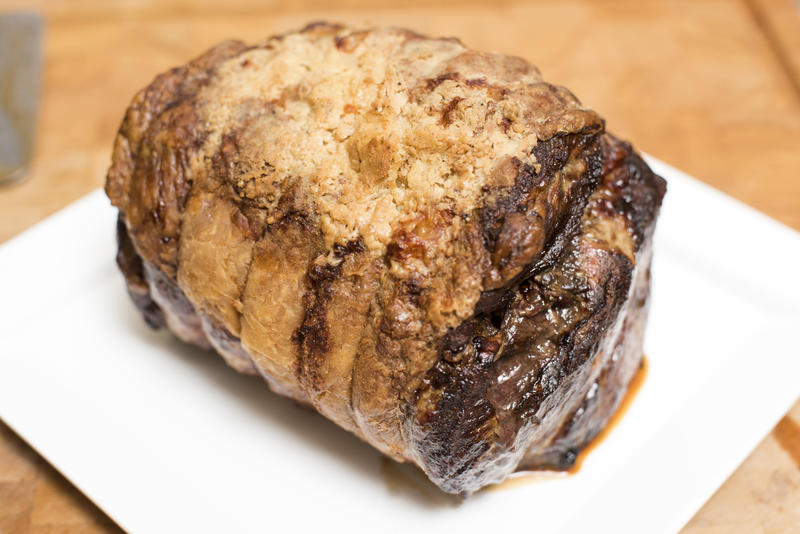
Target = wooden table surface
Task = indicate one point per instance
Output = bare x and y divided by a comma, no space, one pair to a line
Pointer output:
710,86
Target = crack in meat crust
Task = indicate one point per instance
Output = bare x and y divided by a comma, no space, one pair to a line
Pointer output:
470,296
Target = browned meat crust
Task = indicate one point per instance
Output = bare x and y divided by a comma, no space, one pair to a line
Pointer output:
531,382
432,246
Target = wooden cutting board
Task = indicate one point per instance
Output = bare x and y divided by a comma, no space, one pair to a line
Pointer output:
710,86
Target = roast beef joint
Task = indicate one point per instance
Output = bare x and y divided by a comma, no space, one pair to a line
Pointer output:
429,245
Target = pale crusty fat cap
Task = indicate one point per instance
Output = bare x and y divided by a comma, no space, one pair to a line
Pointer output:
373,127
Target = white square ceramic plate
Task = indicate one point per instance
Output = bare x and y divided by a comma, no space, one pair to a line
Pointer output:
167,439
